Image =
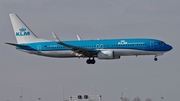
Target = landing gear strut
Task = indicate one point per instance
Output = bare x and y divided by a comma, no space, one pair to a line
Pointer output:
90,61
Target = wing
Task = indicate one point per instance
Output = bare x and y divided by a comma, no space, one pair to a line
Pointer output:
80,50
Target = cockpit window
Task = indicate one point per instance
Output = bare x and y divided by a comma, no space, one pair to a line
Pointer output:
161,43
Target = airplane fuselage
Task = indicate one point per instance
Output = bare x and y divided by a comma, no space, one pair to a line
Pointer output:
120,47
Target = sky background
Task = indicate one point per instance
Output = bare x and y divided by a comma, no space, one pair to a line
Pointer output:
41,77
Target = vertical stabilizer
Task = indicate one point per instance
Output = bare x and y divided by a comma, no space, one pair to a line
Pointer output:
22,33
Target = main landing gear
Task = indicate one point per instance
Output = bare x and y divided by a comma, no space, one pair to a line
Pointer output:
90,61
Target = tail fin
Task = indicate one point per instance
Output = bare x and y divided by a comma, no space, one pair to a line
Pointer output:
22,33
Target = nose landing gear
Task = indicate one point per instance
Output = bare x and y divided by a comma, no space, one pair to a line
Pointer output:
155,58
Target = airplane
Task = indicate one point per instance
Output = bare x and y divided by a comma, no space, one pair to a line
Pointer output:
107,49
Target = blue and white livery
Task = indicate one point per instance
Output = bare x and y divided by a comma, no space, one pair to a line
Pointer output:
107,49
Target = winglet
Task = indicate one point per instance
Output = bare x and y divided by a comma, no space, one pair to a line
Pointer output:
78,37
56,38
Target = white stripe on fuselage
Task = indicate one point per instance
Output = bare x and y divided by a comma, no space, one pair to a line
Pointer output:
131,52
117,52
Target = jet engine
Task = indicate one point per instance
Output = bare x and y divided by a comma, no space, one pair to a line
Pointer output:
107,55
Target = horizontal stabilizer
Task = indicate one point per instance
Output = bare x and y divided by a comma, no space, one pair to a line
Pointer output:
14,44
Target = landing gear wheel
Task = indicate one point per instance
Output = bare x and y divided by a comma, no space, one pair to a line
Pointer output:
88,61
93,61
155,59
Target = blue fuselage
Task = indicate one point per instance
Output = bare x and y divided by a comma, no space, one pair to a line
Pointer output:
121,47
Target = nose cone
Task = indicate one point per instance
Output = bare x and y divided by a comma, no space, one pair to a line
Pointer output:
169,47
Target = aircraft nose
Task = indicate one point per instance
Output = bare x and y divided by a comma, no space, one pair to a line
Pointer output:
169,47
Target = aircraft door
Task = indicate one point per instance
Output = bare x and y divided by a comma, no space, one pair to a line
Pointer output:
97,46
151,44
101,46
38,48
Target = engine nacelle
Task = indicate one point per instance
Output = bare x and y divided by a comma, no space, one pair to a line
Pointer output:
107,55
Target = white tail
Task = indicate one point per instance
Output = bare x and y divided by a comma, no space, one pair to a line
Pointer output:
22,33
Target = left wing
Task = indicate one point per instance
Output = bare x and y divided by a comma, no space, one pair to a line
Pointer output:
80,50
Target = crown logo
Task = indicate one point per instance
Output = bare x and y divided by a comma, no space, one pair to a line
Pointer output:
22,29
122,42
